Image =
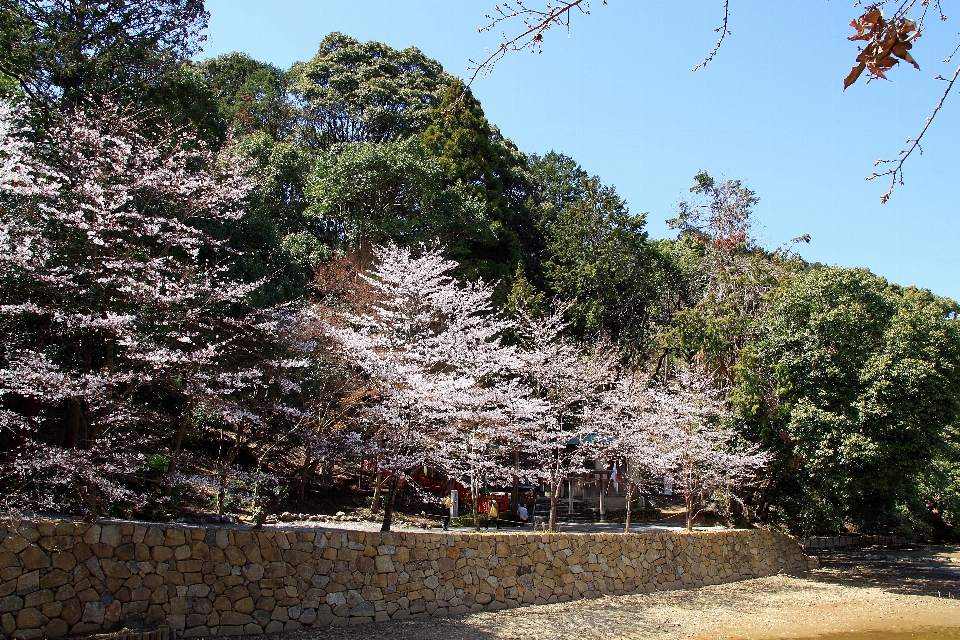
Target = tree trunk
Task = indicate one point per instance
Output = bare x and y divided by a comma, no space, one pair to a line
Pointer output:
178,439
90,497
377,482
554,490
626,528
307,469
71,434
388,506
602,487
234,450
475,504
516,483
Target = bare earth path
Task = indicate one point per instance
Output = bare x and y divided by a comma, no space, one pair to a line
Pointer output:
905,591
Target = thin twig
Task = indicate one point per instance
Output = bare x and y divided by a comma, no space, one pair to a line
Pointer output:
723,31
896,171
532,37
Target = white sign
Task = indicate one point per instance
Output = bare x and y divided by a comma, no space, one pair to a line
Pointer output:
667,485
454,503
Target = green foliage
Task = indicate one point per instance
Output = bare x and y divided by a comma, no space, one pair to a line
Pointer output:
183,96
938,487
158,464
8,87
851,383
725,275
74,52
473,158
377,192
355,91
250,95
274,239
596,254
524,297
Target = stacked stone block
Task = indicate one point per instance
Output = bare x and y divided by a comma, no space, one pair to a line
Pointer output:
63,577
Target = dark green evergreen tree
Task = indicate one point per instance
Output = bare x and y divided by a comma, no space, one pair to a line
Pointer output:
472,156
355,91
851,382
67,53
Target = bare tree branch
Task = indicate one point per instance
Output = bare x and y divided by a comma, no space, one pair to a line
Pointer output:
537,22
887,42
723,31
896,171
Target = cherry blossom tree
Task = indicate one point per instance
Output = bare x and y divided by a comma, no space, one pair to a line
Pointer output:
115,293
396,345
444,390
568,380
483,426
634,428
713,464
655,430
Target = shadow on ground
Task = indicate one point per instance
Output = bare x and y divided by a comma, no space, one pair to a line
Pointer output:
923,570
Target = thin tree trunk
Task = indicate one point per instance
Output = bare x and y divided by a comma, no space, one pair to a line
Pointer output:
234,450
388,506
307,469
378,481
178,439
516,483
90,498
71,434
626,528
554,490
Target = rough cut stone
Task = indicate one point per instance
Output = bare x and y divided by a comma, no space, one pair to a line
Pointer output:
56,629
33,557
219,581
28,582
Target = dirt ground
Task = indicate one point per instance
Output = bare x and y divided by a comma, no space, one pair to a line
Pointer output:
869,594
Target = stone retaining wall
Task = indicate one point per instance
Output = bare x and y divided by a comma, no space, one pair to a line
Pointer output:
59,578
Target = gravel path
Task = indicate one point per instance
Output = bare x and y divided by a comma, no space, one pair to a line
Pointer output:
876,589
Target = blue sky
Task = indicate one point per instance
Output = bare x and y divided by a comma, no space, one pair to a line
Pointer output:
618,96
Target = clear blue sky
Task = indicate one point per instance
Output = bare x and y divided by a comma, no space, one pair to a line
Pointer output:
618,96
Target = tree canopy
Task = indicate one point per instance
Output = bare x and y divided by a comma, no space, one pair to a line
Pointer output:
222,281
853,383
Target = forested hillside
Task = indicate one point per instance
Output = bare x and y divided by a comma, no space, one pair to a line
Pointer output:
225,285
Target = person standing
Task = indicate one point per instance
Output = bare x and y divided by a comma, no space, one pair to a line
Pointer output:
447,512
493,513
